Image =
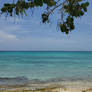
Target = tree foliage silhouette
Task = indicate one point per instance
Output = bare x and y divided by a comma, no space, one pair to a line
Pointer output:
68,9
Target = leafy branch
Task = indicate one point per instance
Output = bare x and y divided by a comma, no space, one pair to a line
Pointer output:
68,9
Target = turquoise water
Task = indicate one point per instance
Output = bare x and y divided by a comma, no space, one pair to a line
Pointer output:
46,65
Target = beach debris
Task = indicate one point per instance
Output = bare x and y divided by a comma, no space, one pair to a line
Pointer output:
87,90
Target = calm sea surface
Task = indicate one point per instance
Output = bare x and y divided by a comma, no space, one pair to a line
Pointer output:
46,65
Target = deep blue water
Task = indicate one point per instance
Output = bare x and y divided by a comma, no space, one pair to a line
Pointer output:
45,65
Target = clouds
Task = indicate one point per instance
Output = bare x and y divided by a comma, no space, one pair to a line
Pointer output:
46,44
31,35
6,36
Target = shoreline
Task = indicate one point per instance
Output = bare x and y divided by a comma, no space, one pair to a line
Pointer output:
62,86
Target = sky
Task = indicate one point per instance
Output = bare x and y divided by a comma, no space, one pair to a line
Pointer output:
30,34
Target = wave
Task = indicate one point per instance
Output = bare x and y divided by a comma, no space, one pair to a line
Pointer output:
13,81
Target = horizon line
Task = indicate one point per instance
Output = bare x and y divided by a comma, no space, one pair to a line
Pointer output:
39,51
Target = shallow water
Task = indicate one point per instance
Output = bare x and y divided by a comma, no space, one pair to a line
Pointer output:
46,65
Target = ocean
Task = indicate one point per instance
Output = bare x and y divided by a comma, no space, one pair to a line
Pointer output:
46,65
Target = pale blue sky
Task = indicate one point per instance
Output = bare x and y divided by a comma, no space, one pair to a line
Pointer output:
31,35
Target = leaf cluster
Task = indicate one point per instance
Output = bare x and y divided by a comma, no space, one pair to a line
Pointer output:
68,25
73,9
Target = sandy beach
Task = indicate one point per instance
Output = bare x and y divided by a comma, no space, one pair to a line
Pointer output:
64,86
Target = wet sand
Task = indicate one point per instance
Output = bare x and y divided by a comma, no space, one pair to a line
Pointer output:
64,86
